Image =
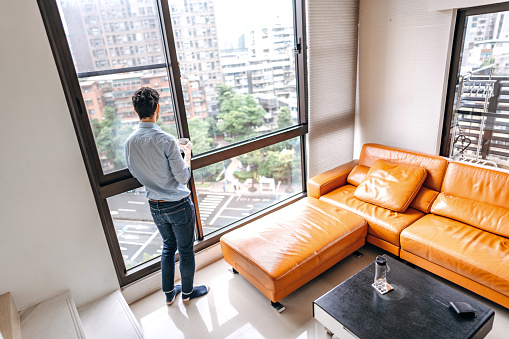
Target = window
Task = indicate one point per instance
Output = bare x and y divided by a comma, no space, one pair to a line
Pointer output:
247,145
477,117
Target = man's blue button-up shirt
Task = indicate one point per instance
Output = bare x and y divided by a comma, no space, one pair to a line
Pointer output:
154,158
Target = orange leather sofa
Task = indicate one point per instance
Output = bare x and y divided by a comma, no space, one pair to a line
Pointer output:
457,226
450,218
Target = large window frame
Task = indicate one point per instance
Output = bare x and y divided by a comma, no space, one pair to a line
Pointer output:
110,184
459,32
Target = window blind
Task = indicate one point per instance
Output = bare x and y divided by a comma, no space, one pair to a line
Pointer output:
332,70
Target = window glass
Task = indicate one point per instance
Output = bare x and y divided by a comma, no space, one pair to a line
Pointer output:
111,113
138,236
237,64
238,80
480,131
111,34
105,36
238,187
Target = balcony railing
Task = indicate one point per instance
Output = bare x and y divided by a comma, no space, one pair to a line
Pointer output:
481,119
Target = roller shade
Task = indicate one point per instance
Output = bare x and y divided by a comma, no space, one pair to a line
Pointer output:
332,70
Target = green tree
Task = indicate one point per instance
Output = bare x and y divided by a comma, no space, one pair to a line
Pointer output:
252,161
239,113
278,165
96,127
213,129
487,62
168,128
284,118
225,93
199,136
110,135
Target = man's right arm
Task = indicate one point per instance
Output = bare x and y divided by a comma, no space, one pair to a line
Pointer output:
179,167
187,153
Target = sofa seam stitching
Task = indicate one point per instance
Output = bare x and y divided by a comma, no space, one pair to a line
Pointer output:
412,196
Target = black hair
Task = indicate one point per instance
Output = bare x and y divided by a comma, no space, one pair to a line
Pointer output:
145,101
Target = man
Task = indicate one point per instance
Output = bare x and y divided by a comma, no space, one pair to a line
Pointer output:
154,158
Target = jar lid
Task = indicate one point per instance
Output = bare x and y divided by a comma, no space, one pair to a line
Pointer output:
381,261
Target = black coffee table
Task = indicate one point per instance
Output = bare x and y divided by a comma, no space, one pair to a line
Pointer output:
418,307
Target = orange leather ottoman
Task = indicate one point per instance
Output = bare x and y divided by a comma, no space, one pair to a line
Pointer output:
286,249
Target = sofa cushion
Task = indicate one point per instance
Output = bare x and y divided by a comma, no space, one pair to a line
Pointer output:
434,165
391,186
357,175
473,253
477,183
424,200
491,218
383,223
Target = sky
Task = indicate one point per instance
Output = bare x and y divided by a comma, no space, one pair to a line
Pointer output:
233,16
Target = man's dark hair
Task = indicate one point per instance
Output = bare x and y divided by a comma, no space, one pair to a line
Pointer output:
145,101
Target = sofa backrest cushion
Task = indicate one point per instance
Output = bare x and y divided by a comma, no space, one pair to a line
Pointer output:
424,200
475,195
489,217
434,165
477,183
391,186
357,175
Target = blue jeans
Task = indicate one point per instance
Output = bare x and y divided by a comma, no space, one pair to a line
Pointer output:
175,221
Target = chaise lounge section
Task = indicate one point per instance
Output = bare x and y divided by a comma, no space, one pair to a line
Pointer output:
286,249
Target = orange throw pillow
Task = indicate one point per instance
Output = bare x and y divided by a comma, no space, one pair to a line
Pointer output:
391,186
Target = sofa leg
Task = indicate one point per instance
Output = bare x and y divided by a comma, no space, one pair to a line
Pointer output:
234,271
277,306
357,254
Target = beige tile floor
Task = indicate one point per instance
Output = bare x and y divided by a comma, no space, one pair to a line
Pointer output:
235,309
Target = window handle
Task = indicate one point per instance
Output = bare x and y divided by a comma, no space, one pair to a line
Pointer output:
298,46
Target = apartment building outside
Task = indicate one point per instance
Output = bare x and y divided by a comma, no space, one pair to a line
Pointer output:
486,43
196,40
115,34
264,66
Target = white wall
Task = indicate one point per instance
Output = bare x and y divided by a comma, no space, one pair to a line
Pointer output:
404,55
51,238
332,59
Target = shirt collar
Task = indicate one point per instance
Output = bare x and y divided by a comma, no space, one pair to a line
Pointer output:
149,125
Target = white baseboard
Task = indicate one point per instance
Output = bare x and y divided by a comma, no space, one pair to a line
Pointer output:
153,282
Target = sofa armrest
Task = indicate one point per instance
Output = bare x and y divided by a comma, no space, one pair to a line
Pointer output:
329,180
